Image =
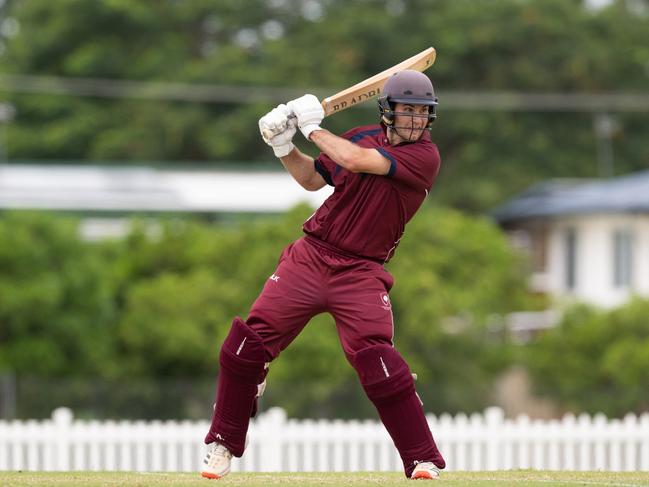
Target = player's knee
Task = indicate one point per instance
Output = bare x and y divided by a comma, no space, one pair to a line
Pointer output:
242,353
384,374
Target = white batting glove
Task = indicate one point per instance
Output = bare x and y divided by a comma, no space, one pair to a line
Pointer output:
281,143
309,113
277,128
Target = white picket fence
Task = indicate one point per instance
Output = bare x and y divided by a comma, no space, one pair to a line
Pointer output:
476,442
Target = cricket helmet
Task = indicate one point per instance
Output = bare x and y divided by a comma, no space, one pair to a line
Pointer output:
407,86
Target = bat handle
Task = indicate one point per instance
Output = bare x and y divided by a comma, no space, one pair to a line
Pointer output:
269,134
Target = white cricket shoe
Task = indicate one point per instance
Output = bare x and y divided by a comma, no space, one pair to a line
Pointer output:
216,463
425,471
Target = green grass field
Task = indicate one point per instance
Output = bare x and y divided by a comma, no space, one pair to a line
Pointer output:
459,479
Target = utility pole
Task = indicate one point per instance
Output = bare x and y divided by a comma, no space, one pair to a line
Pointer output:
7,113
605,127
7,395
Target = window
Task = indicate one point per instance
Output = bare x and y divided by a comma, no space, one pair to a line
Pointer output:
570,258
622,258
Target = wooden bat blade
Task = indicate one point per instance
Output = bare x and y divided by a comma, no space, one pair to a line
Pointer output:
371,87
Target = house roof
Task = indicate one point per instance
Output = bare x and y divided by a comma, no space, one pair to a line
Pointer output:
128,189
623,194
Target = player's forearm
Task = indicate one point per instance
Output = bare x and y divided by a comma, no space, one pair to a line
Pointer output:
349,155
301,168
343,152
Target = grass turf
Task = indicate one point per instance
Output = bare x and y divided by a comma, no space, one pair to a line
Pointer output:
356,479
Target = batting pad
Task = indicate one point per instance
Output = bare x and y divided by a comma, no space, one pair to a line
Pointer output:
384,374
387,381
242,354
242,368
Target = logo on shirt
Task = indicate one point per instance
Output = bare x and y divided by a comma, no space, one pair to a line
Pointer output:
274,278
385,301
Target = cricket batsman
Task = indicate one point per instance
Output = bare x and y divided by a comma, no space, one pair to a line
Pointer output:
381,175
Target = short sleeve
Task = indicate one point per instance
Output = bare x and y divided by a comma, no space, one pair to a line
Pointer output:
415,165
326,168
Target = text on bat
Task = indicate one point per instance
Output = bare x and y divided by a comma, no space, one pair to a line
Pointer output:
361,97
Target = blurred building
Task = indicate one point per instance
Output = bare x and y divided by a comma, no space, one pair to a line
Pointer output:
588,239
105,194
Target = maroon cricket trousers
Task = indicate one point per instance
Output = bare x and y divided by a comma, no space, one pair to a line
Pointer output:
311,278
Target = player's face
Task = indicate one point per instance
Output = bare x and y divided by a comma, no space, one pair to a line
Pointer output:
410,121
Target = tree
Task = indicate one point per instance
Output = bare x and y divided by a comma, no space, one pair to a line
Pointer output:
150,310
594,360
56,306
531,46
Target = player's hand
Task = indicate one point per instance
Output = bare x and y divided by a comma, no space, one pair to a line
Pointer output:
282,143
277,128
309,113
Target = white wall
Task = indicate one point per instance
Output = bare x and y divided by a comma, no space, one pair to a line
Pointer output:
133,188
595,259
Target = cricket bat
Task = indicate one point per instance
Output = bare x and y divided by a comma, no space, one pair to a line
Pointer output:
372,86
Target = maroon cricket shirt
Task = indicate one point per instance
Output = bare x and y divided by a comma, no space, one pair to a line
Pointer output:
366,214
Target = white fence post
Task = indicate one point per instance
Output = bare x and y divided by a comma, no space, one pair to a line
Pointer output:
644,442
270,426
495,422
600,431
62,419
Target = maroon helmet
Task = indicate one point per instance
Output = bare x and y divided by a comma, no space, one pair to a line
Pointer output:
407,86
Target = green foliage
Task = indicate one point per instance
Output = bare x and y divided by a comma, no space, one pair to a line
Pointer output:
531,46
56,307
157,304
595,361
170,322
